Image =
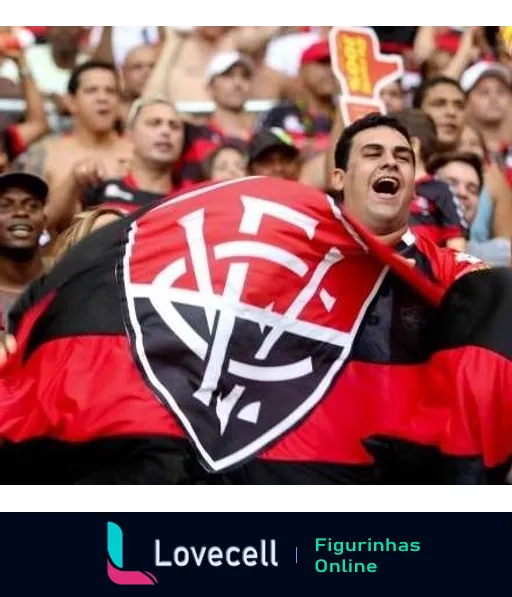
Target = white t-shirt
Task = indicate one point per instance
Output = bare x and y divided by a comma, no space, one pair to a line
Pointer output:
125,38
284,53
48,76
9,70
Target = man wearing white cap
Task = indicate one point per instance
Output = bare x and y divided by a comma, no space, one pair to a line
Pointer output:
489,102
488,106
229,78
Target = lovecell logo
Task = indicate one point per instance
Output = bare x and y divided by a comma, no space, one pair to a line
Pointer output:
116,573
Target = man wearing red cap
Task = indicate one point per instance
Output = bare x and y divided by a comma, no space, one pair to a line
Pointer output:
309,120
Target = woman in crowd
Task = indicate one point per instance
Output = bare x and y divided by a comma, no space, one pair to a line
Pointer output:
226,162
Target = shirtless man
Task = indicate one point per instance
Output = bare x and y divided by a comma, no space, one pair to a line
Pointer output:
157,134
93,96
180,71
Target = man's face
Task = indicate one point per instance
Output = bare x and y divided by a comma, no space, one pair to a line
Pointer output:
137,68
393,98
232,89
319,79
96,103
445,104
22,219
490,101
158,135
277,163
378,185
465,184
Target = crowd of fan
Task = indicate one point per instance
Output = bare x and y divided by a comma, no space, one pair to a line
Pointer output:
130,131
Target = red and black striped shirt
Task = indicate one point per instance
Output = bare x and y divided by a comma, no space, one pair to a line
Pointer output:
123,195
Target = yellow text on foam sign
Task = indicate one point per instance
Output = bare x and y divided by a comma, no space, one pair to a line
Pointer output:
356,65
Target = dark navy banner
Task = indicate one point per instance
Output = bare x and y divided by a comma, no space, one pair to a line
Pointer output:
255,554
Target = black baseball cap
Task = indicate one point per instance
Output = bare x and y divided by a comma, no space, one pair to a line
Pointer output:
267,139
23,180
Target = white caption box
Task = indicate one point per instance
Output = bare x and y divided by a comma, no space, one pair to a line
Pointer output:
430,496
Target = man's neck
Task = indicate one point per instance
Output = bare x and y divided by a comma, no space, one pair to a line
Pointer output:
204,44
494,135
152,180
15,276
232,123
65,59
393,238
318,105
88,138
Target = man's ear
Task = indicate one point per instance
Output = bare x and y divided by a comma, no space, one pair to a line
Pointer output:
338,179
68,102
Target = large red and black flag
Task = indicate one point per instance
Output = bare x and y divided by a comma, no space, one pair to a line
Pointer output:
247,332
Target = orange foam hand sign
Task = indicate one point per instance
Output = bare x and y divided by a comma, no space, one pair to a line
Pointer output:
362,70
506,39
353,109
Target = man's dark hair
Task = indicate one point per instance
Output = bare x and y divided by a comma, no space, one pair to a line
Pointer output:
421,126
74,80
471,159
372,121
428,84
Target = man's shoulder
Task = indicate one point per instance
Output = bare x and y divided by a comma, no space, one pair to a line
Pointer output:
430,249
64,149
199,131
123,142
58,143
36,159
285,107
433,189
447,264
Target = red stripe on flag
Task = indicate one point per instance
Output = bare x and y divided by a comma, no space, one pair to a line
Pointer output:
78,389
455,403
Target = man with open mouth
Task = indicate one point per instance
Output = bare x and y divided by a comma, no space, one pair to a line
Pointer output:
375,176
22,221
